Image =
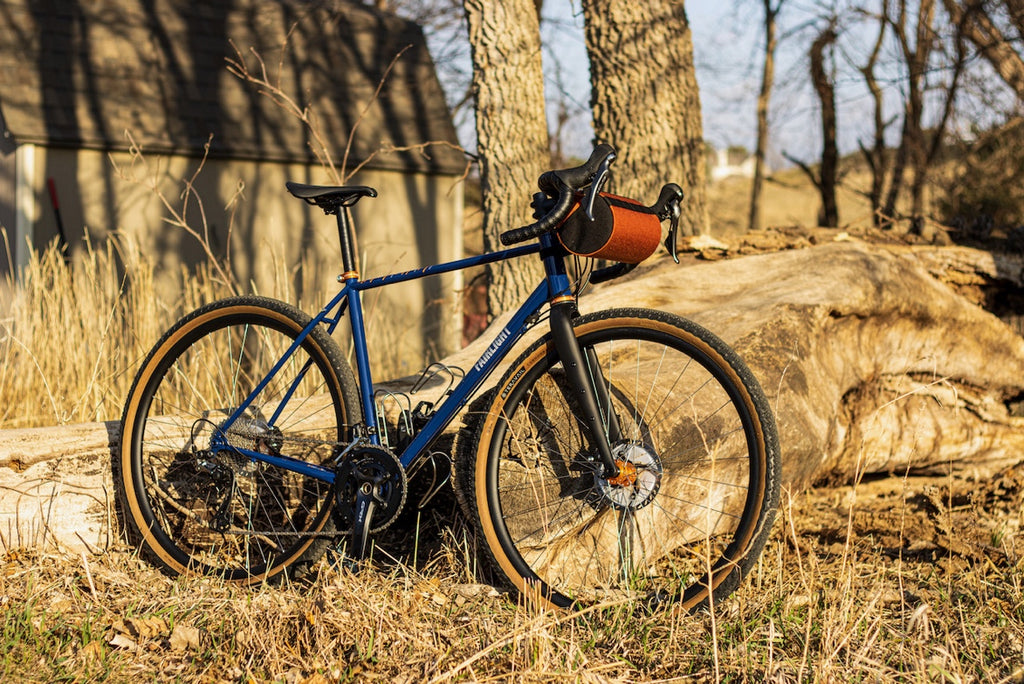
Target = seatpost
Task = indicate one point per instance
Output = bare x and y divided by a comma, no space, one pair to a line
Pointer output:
347,239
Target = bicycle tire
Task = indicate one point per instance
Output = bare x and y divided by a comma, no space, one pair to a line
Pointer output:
193,511
557,532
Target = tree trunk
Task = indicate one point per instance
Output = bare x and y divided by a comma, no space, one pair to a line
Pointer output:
973,23
825,89
876,155
512,133
917,62
896,182
646,102
913,150
763,100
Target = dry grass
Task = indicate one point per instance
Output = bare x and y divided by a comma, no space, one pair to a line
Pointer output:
894,580
829,601
791,200
74,332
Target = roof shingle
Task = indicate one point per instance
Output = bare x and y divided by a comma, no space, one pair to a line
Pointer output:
76,73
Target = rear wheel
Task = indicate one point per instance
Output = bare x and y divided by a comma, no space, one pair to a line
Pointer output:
698,457
216,511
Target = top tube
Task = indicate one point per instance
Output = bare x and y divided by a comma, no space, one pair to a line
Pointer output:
447,267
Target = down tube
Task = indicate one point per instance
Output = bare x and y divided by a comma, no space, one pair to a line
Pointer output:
496,351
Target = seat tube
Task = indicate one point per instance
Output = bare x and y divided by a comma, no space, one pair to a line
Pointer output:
350,263
355,312
563,310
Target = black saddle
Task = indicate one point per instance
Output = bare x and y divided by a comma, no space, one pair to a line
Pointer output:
330,197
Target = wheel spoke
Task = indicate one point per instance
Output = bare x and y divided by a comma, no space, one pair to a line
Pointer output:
220,511
692,478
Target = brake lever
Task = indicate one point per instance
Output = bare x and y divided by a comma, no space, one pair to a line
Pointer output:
541,204
673,229
600,176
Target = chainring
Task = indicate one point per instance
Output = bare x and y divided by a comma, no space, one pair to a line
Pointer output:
390,493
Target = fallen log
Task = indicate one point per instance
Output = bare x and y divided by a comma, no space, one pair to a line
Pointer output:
873,360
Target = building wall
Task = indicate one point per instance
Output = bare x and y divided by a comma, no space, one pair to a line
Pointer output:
247,214
7,212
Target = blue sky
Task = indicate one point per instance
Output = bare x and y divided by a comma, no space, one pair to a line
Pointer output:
727,47
727,52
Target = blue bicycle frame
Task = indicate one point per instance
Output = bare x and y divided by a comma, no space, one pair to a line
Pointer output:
555,284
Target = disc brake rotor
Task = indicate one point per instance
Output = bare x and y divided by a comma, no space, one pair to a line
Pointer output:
638,480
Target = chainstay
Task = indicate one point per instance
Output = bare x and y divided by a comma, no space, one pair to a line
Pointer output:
340,448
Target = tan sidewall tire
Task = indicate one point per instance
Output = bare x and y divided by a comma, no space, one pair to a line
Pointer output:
256,307
519,373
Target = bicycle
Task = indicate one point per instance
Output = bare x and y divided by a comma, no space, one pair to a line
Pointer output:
627,453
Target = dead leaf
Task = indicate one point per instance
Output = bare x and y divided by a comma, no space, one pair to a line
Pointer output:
123,641
315,678
184,638
472,590
92,651
148,628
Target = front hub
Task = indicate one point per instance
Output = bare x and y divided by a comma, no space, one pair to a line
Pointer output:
638,480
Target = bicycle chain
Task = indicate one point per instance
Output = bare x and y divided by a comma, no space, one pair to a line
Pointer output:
338,449
285,438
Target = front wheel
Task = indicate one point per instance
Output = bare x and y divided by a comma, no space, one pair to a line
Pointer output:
186,495
698,456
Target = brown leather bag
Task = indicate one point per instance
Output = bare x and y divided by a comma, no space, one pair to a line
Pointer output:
622,230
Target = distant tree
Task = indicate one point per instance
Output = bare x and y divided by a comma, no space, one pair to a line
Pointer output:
824,86
771,13
875,154
646,101
995,28
915,42
826,178
915,27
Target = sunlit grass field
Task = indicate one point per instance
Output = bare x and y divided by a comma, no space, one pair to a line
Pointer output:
914,581
818,608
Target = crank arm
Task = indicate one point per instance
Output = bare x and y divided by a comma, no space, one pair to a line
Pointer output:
366,503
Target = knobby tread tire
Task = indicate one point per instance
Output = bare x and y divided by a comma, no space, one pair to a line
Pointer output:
134,523
472,481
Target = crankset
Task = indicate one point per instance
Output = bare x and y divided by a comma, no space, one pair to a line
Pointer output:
370,487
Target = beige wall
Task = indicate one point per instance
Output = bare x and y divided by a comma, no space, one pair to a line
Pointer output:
414,221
